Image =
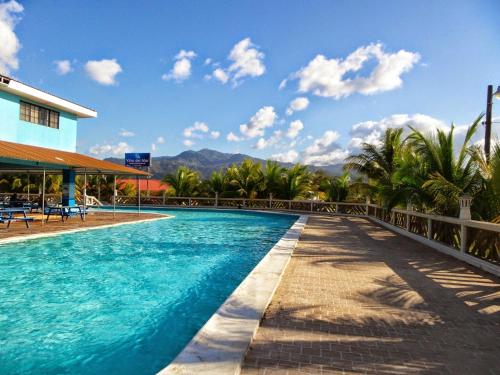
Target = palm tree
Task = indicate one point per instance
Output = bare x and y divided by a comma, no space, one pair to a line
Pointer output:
449,174
272,177
247,178
218,182
486,203
296,182
184,182
336,188
379,163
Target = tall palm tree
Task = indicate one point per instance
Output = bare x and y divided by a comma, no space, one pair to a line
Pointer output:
450,173
218,182
184,181
272,177
296,182
247,178
486,203
379,163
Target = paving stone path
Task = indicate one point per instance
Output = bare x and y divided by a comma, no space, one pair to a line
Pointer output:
357,298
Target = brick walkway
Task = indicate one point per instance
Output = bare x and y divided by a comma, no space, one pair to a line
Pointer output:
357,298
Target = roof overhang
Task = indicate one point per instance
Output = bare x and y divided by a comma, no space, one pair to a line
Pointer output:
20,89
18,158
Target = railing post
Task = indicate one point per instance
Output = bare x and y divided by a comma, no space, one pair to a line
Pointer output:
463,238
289,205
465,202
244,202
429,228
367,206
216,199
270,200
393,217
164,195
336,207
312,205
408,208
189,202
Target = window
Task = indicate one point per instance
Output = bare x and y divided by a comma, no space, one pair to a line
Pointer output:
39,115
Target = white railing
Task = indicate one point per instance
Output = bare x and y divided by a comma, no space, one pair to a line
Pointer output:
475,242
92,201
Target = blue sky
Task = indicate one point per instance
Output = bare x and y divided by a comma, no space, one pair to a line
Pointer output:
357,68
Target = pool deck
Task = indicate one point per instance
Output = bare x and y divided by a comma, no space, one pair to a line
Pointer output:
357,298
54,225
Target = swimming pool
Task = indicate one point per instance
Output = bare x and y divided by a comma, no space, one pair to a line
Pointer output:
125,299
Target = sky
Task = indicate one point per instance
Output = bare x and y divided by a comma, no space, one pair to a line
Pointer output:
296,81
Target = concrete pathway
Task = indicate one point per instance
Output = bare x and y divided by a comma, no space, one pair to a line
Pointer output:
357,298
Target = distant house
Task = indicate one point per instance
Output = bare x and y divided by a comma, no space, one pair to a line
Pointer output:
153,185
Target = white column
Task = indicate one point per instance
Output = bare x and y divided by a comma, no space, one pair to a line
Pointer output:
138,195
114,196
216,199
28,186
43,198
84,195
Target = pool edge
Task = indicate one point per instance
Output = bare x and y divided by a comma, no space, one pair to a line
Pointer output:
220,346
22,238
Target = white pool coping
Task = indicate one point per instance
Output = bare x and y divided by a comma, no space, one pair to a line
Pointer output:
27,237
220,346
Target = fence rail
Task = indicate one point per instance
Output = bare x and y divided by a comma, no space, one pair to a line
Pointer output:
469,238
465,239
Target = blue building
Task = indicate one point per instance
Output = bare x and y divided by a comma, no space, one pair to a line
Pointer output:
38,133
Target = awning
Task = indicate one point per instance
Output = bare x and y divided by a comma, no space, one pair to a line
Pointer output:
19,158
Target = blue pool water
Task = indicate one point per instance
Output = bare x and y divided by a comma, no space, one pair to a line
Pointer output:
124,300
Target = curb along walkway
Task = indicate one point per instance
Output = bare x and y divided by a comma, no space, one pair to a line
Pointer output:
357,298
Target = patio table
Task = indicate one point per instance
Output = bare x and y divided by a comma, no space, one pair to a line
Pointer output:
65,211
9,214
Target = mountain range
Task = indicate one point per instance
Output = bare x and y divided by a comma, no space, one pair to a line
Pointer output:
206,161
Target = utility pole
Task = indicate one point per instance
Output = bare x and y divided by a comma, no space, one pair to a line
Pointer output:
487,123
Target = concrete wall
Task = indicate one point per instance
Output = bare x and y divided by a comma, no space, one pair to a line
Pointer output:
12,129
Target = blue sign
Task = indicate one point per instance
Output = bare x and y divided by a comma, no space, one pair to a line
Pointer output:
142,159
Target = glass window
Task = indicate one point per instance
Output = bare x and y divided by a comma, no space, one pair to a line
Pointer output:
39,115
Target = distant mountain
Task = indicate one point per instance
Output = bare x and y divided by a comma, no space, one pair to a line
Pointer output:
206,161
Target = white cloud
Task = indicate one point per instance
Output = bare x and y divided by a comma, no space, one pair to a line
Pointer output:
286,157
188,143
246,62
9,43
183,54
372,131
160,140
294,129
214,134
271,141
327,77
111,149
220,75
63,67
103,71
264,118
207,61
195,130
298,104
126,133
182,67
283,84
153,147
231,137
324,150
